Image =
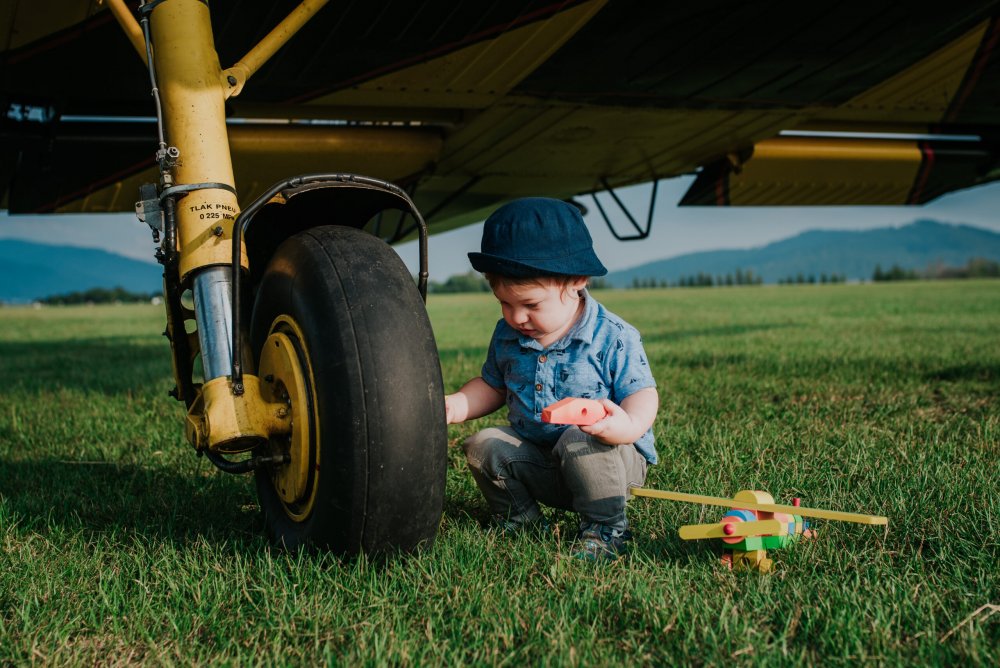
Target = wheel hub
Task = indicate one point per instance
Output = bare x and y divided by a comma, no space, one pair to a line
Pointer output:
284,367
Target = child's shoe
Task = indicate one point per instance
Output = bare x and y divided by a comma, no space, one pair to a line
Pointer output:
510,527
599,542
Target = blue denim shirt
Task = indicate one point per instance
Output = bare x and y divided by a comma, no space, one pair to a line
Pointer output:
601,357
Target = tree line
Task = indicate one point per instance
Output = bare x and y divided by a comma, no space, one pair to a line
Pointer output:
115,295
701,280
977,267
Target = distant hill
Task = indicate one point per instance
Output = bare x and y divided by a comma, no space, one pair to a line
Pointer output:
853,254
30,271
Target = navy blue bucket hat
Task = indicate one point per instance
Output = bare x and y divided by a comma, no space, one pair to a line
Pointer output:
537,236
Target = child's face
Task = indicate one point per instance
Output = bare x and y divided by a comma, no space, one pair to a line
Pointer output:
544,311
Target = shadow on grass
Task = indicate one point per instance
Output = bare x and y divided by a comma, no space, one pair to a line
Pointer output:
107,498
110,365
970,371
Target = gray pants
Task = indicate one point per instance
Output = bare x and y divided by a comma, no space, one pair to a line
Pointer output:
578,473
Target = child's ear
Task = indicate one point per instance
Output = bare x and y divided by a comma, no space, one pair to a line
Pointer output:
577,284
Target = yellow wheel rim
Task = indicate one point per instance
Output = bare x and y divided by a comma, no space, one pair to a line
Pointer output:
288,378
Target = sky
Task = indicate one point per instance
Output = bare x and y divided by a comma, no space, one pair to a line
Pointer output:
675,230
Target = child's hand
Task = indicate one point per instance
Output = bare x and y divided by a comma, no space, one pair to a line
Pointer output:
473,400
456,407
614,428
623,426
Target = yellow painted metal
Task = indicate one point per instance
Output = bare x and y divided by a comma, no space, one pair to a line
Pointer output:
264,155
922,93
267,47
131,27
285,366
475,76
717,529
270,153
766,507
220,421
193,99
787,171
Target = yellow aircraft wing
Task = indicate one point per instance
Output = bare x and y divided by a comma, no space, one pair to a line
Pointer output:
467,105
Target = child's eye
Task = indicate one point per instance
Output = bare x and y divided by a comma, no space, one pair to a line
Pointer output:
531,306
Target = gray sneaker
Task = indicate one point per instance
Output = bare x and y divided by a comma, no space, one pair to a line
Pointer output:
599,542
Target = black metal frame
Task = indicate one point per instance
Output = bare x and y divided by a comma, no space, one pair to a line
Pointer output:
640,232
242,224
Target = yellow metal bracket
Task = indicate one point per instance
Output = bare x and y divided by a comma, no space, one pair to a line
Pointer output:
223,422
234,78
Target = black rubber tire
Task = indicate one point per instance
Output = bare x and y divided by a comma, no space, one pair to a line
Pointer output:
380,398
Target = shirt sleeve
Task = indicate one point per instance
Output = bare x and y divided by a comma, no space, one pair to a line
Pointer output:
492,373
628,365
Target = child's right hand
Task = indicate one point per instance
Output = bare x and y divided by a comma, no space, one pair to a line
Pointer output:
474,399
456,407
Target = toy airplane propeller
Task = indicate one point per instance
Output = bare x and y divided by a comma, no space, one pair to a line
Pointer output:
755,524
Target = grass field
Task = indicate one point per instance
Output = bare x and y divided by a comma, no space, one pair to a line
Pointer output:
118,545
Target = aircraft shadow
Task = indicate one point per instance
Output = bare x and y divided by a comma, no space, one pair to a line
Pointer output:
110,365
124,501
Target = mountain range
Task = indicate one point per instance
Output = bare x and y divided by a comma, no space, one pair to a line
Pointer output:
30,271
850,254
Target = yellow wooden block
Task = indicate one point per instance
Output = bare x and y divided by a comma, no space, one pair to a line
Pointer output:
718,529
753,496
749,559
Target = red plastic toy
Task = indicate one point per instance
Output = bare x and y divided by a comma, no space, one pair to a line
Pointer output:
574,411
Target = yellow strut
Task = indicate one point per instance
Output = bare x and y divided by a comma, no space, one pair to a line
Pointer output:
234,78
129,25
195,118
766,507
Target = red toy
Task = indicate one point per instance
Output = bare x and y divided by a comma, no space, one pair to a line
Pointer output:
574,411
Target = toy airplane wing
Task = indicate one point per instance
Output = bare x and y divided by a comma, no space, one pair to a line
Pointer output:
469,105
818,513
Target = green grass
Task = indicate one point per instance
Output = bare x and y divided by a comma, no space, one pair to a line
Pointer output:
119,545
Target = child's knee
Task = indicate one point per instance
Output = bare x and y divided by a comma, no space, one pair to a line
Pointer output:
483,450
574,442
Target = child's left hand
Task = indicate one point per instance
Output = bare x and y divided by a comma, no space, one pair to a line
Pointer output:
615,428
627,423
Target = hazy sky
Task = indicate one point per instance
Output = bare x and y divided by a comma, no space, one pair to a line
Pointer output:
675,230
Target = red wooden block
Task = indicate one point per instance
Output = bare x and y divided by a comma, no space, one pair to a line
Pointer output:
574,411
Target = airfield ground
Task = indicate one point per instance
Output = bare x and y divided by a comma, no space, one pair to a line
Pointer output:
118,545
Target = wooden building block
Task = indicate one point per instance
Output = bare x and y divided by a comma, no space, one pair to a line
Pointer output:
574,411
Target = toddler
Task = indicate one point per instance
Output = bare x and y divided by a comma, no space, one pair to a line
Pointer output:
556,341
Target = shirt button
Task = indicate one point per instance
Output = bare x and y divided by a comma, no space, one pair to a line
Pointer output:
542,359
538,387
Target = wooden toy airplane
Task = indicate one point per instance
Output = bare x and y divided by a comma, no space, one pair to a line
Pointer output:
574,411
755,524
